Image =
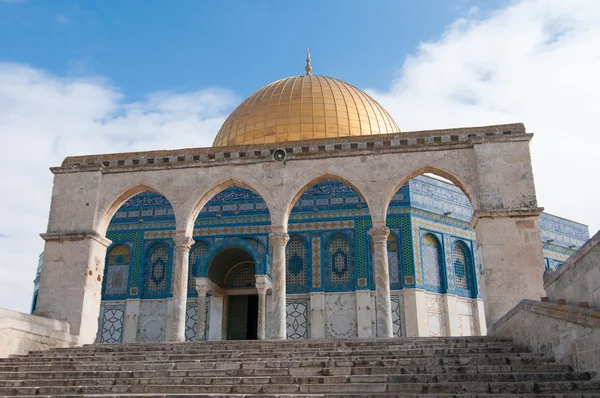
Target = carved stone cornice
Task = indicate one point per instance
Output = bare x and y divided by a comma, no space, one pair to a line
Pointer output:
79,235
379,234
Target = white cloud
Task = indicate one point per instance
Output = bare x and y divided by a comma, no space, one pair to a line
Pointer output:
536,62
44,118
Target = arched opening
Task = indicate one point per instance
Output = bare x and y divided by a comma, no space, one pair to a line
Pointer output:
138,268
231,234
329,225
429,213
232,270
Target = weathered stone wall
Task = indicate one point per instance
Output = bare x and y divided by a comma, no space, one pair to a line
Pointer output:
568,333
578,279
21,333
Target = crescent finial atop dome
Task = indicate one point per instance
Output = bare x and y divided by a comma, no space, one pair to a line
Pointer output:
308,68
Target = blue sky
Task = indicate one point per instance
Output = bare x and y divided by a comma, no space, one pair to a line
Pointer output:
83,77
148,46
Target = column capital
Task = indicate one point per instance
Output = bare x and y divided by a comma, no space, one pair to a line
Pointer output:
279,238
182,240
379,234
263,283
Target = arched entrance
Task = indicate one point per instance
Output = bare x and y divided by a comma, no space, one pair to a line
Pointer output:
233,270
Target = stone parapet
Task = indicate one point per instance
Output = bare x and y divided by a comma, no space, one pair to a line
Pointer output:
569,333
337,147
578,278
21,333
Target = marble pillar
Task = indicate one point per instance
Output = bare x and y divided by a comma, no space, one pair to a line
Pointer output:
278,241
176,326
452,325
317,315
261,329
130,326
363,313
379,237
201,321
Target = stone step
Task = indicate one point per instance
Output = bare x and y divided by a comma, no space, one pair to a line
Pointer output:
278,353
548,387
210,346
383,378
403,362
281,357
232,371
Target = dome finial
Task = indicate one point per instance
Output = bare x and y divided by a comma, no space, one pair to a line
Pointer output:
308,68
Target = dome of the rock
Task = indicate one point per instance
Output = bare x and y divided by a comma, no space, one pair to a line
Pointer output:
304,108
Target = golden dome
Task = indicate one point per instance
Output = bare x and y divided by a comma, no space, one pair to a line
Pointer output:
304,108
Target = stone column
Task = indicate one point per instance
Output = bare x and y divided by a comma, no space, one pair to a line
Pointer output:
71,281
278,242
201,320
379,236
509,244
179,288
262,287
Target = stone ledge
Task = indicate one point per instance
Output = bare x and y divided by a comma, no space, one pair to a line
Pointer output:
78,235
570,313
551,276
21,333
329,147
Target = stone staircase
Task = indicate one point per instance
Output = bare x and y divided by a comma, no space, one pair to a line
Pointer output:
400,367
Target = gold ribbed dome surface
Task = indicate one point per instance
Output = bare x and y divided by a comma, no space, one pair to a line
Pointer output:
304,108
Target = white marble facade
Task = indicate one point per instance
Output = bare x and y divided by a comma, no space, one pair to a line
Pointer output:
340,316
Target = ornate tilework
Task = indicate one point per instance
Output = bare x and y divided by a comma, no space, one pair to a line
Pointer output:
460,268
112,323
396,315
196,253
362,225
340,261
297,318
321,226
401,224
296,261
316,262
431,225
244,278
191,321
431,260
449,268
157,271
118,261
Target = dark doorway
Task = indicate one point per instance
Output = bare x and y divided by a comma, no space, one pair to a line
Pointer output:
242,317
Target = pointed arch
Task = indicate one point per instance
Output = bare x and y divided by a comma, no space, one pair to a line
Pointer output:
218,187
115,203
467,189
328,176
